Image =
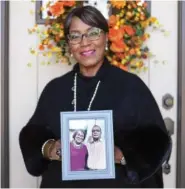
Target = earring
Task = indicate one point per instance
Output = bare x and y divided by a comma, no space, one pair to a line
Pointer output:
106,46
71,55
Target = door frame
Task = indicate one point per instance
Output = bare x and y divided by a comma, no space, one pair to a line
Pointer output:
180,181
4,68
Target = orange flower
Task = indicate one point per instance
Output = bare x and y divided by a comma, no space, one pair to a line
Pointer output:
118,4
50,46
57,9
118,46
132,51
120,55
145,5
145,37
115,34
125,68
69,3
41,47
57,38
129,30
112,20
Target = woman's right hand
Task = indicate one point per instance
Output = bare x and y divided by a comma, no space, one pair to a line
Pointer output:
55,151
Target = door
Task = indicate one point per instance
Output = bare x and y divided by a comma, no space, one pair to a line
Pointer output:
26,83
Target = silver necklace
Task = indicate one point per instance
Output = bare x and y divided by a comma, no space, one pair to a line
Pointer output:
75,94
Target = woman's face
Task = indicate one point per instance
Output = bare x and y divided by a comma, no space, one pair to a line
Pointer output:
79,138
88,53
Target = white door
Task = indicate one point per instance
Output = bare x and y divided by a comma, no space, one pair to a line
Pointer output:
162,78
27,83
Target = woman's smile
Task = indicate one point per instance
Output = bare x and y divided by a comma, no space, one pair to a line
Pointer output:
88,53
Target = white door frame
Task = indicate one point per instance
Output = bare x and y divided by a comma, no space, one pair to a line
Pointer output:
4,104
4,93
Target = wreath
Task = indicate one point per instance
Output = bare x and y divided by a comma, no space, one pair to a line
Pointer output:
127,35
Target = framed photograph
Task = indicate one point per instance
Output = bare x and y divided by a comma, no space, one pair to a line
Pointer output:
87,145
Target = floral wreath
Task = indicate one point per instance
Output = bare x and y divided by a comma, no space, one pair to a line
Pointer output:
127,35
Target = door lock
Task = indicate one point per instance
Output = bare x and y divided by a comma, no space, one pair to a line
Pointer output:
167,101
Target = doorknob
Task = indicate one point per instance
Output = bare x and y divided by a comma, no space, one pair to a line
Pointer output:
169,123
166,168
167,101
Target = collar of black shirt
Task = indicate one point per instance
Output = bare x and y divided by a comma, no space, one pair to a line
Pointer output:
101,74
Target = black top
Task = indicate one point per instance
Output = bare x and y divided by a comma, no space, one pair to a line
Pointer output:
139,129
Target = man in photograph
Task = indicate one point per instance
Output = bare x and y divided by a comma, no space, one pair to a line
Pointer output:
96,150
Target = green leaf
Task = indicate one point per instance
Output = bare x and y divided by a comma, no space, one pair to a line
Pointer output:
62,42
139,32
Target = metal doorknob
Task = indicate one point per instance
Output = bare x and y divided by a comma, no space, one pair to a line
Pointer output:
167,101
166,168
169,123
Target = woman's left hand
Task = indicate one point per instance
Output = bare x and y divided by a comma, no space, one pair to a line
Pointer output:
118,155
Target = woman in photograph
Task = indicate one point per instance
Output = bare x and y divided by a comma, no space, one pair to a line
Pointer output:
78,151
141,141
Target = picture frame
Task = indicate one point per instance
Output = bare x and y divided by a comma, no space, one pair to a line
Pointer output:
82,133
41,16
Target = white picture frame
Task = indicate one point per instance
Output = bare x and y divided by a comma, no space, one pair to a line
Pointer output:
82,128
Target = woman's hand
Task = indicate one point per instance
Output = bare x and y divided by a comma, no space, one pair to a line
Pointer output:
118,155
54,152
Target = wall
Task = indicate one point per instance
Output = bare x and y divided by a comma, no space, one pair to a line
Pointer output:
27,83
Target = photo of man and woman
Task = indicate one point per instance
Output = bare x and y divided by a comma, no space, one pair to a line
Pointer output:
87,144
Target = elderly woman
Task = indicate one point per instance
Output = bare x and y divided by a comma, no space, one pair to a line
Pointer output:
141,140
78,151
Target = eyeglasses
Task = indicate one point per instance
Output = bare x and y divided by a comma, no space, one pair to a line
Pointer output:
95,130
92,35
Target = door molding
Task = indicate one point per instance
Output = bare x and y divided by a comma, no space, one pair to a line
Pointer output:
181,97
4,27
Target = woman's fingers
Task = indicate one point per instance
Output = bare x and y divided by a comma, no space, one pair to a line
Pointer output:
118,155
55,153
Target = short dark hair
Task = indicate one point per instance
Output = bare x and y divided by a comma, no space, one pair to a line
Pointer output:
89,15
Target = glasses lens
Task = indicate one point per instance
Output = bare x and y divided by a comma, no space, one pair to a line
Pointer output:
93,34
74,38
95,130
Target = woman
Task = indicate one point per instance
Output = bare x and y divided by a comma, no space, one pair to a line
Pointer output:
140,136
78,151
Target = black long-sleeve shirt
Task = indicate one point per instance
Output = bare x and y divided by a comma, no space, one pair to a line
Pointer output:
139,129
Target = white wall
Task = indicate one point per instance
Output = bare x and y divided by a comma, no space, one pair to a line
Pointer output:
26,83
